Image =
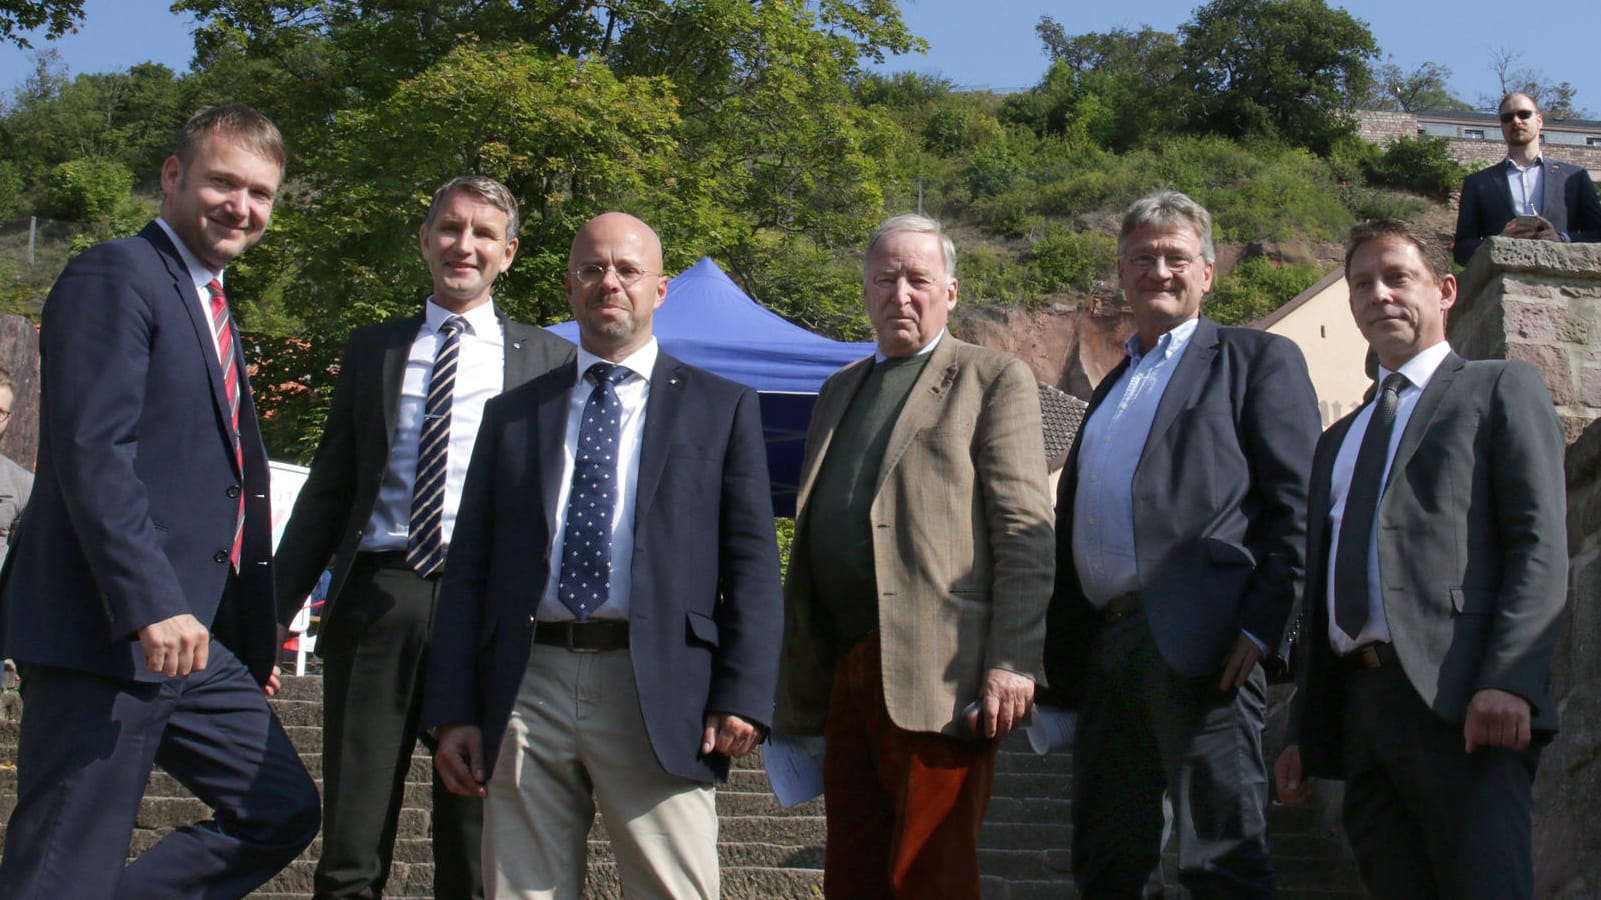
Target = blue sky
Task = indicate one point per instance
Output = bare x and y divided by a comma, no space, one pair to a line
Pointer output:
991,43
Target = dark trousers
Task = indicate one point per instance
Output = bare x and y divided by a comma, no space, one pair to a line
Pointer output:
1425,817
85,754
904,807
374,649
1143,729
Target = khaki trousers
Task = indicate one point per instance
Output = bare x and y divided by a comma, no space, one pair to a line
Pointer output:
576,741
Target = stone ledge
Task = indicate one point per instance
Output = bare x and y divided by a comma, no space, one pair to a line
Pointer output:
1498,255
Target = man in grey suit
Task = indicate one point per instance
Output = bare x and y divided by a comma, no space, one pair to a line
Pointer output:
1526,195
1438,570
364,511
1180,533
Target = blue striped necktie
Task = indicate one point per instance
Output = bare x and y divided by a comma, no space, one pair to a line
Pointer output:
425,545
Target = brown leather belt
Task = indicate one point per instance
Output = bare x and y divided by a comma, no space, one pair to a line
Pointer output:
1121,605
588,636
1377,655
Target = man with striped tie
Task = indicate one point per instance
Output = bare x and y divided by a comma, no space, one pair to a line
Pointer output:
379,508
138,602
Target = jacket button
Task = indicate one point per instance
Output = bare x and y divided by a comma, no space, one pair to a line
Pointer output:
233,492
221,556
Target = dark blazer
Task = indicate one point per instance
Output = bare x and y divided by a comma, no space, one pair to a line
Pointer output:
136,496
337,499
1570,204
705,610
1219,507
1472,546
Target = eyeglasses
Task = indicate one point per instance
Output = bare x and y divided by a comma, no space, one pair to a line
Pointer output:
1525,114
1175,263
592,274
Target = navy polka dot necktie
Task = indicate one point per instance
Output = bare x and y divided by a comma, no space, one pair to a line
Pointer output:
585,581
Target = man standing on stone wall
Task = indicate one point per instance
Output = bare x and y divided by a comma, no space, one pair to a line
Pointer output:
1181,521
915,602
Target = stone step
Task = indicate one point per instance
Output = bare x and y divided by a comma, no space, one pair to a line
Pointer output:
748,803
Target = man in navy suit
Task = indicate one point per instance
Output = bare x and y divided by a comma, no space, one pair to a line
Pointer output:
1437,570
1526,195
1181,521
139,600
610,612
357,509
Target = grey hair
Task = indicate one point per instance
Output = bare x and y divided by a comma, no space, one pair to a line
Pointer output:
915,224
1166,210
484,188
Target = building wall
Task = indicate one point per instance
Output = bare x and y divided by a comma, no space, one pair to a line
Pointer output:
1335,350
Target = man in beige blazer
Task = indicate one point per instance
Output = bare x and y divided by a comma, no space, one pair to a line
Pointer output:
918,581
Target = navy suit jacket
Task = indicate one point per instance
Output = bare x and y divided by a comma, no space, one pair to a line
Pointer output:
1219,507
136,497
1570,204
335,504
705,612
1472,530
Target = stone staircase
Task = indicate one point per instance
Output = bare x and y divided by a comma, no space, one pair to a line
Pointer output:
767,853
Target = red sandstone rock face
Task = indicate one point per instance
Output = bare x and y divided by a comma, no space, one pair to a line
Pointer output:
1066,347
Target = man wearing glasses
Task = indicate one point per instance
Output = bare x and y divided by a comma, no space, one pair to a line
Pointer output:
1181,525
1526,195
609,618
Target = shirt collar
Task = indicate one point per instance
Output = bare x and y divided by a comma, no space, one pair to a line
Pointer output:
1538,162
878,355
1168,345
201,275
641,362
1420,368
480,319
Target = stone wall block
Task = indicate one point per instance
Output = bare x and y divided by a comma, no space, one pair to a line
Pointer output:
1552,363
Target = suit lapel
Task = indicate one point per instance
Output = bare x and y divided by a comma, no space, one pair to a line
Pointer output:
515,366
396,351
1069,481
661,412
1423,414
206,343
1554,207
1188,380
923,405
551,436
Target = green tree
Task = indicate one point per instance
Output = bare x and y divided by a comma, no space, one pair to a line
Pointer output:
1118,87
1557,100
1424,88
57,17
1288,69
87,190
1256,287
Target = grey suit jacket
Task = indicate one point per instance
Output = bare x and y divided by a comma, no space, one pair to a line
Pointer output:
337,500
1569,202
1472,552
962,542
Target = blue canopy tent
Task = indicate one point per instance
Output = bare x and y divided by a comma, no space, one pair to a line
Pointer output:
709,322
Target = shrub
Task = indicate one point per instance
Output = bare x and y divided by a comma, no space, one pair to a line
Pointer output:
1256,287
1421,165
1065,260
87,190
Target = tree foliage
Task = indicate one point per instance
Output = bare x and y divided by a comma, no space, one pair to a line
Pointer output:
1557,100
1288,69
1423,88
57,17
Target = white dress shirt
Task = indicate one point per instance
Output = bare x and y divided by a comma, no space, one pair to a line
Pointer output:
1527,186
1418,370
632,394
480,374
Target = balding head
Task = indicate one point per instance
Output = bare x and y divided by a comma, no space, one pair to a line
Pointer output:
614,284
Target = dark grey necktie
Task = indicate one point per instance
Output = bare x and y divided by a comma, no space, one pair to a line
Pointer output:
585,578
1361,508
425,544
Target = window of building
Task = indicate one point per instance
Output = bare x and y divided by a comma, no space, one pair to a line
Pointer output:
1473,134
1592,141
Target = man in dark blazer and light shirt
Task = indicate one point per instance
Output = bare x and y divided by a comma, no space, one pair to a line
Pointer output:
1180,534
138,601
360,505
609,619
1437,565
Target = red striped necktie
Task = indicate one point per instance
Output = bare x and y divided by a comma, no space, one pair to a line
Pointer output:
223,333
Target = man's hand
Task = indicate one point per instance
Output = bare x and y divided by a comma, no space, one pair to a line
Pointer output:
729,735
460,760
1541,230
176,646
1290,777
1238,664
1497,719
274,683
1003,702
